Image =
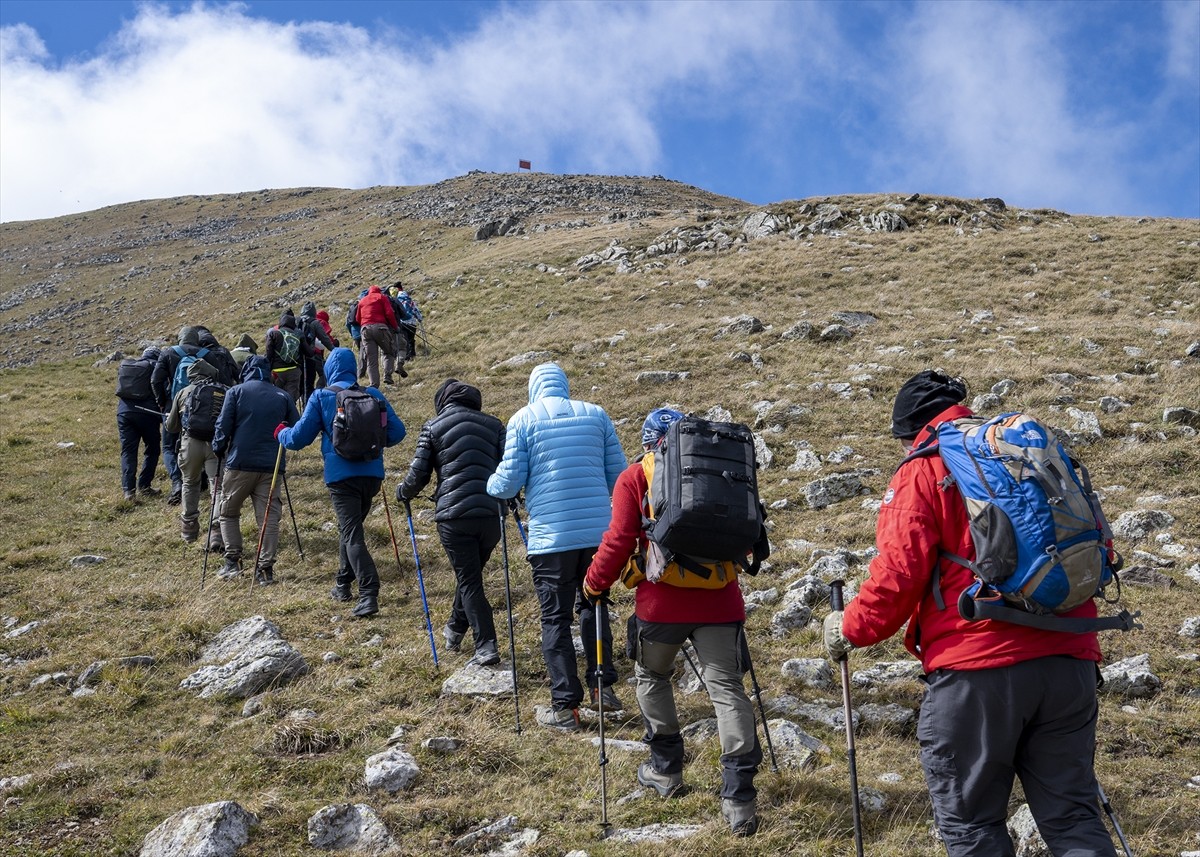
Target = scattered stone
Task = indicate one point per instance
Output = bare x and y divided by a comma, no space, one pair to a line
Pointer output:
794,747
781,413
793,614
701,731
853,319
59,679
1025,836
441,744
659,376
1085,428
91,675
87,559
244,659
983,316
890,777
349,827
1003,387
801,330
1141,575
1193,350
762,596
830,716
1136,525
1182,416
525,359
473,680
892,718
740,325
836,333
828,490
1112,404
624,746
1062,379
762,453
489,830
12,784
985,402
254,705
1131,678
516,845
212,830
393,770
872,800
885,673
23,629
660,832
1191,627
813,672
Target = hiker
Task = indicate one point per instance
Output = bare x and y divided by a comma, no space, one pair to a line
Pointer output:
463,446
286,352
219,357
410,318
195,452
666,617
244,350
565,455
378,320
352,484
1002,698
166,381
245,442
318,339
139,422
354,328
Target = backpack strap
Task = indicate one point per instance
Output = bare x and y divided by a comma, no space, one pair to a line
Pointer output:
975,609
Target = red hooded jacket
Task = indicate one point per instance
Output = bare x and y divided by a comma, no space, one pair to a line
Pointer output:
921,516
375,308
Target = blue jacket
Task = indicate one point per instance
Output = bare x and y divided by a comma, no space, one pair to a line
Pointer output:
342,371
245,434
566,456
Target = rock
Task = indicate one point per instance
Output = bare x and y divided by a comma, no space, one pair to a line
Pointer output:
660,832
892,718
762,596
245,658
700,731
12,784
393,770
1193,350
659,376
618,744
852,319
830,716
254,705
1141,575
1131,677
886,672
1003,387
442,744
91,675
835,333
811,588
983,316
985,402
525,359
517,845
828,490
489,830
87,559
739,325
1085,429
349,827
23,629
59,679
1182,416
1112,404
718,414
792,615
813,672
883,221
1025,836
474,680
1138,524
762,453
212,830
495,228
872,800
1190,627
801,330
1062,379
780,413
760,224
794,747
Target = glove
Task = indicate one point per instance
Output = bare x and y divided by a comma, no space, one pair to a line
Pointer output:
279,428
514,504
593,595
836,643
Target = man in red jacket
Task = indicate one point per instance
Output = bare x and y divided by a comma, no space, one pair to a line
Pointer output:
667,616
1003,699
378,320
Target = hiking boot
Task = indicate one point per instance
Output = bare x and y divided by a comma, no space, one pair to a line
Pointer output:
231,569
368,605
216,544
342,593
264,575
189,530
667,785
150,492
611,703
453,638
129,495
562,719
742,815
403,374
485,656
389,381
176,495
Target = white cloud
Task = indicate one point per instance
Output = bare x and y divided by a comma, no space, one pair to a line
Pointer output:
210,100
1182,19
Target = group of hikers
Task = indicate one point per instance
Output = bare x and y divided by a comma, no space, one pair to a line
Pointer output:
1004,699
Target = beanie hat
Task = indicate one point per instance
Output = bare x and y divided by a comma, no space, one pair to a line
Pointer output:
654,429
923,397
151,353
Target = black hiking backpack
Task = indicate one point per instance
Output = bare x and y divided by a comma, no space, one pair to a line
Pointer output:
704,495
360,424
200,411
133,380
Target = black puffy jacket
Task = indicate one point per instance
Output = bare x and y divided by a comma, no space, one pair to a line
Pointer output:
462,445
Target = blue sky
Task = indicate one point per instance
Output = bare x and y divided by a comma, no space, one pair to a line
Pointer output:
1087,107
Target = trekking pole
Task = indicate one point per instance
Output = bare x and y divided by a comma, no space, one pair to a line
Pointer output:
517,517
420,580
266,515
292,512
691,663
837,603
216,492
758,696
600,622
158,414
392,530
512,642
1112,816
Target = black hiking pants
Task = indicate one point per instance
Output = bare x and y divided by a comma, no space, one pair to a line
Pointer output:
138,429
351,500
469,543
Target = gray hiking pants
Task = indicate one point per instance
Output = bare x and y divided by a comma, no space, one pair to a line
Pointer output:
236,487
719,649
378,338
1035,719
195,457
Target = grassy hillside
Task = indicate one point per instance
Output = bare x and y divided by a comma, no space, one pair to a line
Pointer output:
978,289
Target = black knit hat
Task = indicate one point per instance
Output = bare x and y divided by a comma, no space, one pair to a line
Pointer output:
923,397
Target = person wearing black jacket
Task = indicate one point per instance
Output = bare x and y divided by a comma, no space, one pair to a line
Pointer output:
287,363
219,357
319,342
139,423
160,382
463,446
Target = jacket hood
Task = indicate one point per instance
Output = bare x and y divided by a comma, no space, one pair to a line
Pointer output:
321,314
375,290
288,319
309,310
151,353
256,369
189,336
455,392
248,343
341,368
547,379
954,412
206,338
200,370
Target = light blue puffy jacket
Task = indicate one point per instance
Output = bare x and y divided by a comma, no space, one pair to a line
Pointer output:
565,455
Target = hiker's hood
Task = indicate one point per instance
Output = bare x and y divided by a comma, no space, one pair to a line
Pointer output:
455,392
206,338
288,319
547,379
256,369
321,314
189,336
341,368
309,310
201,370
247,342
374,290
151,353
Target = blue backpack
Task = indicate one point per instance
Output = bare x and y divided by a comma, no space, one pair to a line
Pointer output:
1042,543
180,379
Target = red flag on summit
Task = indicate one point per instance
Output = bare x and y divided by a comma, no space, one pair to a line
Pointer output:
524,165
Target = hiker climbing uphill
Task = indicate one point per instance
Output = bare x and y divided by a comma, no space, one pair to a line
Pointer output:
286,351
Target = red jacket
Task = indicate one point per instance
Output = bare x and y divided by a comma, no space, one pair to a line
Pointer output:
919,517
655,602
376,308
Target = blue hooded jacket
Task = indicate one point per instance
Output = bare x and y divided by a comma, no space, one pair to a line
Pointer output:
341,371
245,434
566,456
